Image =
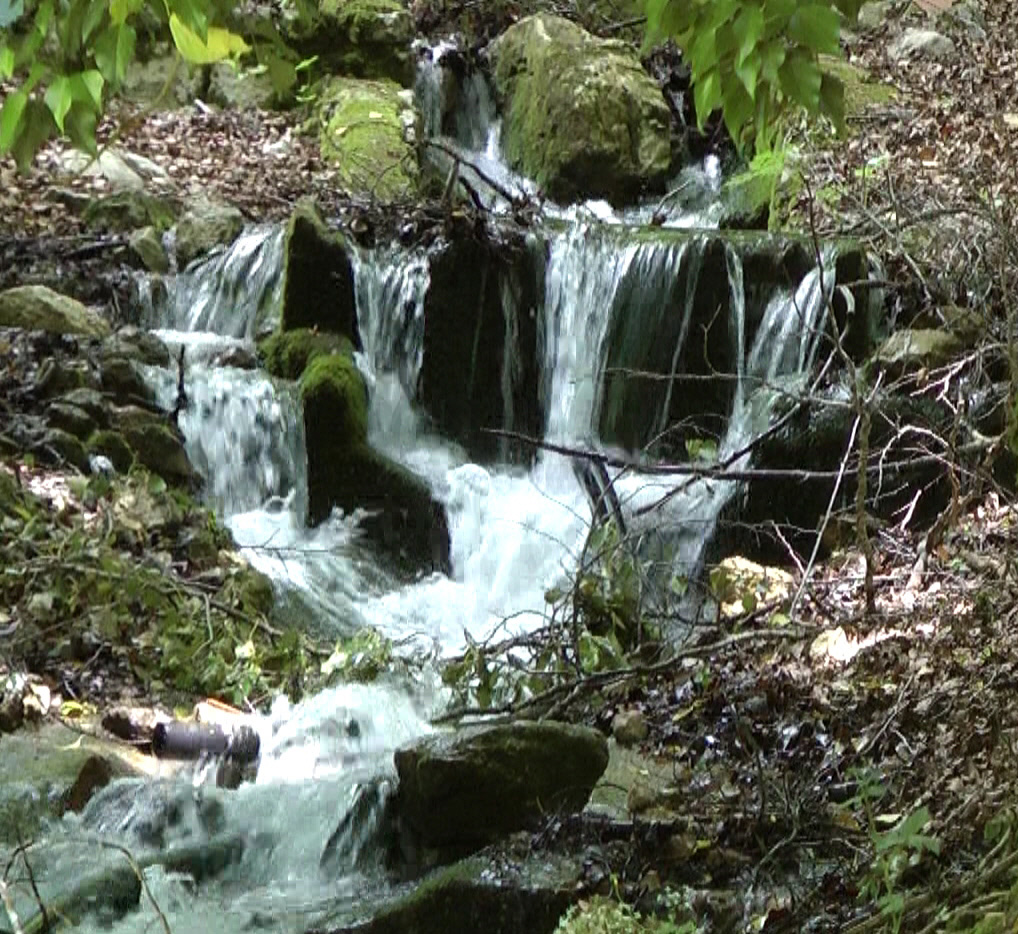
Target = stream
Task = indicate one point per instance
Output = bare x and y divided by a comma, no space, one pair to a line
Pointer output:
515,531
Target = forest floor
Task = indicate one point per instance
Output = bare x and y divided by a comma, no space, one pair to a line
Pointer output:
843,768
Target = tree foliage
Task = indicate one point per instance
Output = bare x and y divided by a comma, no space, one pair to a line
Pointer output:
60,60
756,60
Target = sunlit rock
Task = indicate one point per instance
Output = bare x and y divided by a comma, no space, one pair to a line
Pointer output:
582,117
38,308
367,134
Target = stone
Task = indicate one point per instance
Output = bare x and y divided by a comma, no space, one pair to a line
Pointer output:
71,419
286,354
479,368
162,77
130,210
161,450
111,444
56,377
66,448
468,788
581,116
318,290
921,43
125,171
237,90
39,308
133,343
361,38
909,349
147,245
204,226
367,137
238,357
121,378
629,727
90,401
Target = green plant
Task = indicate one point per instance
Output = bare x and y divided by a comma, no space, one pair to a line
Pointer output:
894,850
756,60
66,58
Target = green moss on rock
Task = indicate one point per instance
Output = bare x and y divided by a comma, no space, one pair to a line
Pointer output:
582,117
318,277
286,354
364,137
129,210
111,444
38,308
161,450
335,401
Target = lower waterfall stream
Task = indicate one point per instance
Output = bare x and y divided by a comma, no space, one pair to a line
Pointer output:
515,532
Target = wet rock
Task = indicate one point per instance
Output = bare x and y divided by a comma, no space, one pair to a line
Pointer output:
480,357
367,137
504,893
12,709
123,380
468,788
36,307
363,38
629,727
129,210
921,43
286,354
89,401
240,358
147,245
318,278
96,773
344,471
64,448
57,377
71,419
204,226
582,117
132,343
234,90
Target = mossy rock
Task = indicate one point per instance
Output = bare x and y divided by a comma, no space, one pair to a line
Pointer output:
39,308
203,227
122,379
335,400
57,377
366,128
71,419
161,450
130,210
361,38
147,246
90,401
318,288
65,448
111,444
582,117
133,343
286,354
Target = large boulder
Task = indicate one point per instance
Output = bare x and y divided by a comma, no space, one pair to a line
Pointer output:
38,308
363,38
582,117
480,366
286,354
204,226
463,790
345,471
318,287
368,128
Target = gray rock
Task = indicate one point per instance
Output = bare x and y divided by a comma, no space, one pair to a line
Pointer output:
161,450
133,343
921,43
204,226
90,401
38,308
58,377
71,419
121,378
629,727
241,358
469,788
911,348
67,448
582,116
148,247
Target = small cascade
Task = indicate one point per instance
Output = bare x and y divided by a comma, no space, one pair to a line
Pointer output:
235,293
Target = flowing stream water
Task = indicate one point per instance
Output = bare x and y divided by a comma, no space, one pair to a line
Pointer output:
515,532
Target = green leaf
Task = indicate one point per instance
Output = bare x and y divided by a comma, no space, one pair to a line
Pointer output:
816,26
89,83
193,14
114,50
748,72
59,97
36,126
707,95
93,17
219,43
748,28
800,81
80,125
120,10
10,119
737,107
6,62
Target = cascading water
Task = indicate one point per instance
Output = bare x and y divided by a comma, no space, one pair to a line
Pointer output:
514,532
